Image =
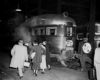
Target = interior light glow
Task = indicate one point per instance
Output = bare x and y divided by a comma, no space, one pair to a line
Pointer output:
58,22
18,9
97,24
97,33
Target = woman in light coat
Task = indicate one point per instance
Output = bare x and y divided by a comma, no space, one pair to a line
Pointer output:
48,61
97,61
19,55
43,63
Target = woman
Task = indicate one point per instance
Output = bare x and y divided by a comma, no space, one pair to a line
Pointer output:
48,60
97,61
37,58
43,63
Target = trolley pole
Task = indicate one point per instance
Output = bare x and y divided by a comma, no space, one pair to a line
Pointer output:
39,7
92,24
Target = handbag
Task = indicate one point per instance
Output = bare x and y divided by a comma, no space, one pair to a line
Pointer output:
26,64
32,55
92,73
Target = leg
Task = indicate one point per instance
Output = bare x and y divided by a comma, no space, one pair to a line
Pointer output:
63,63
42,71
31,65
24,69
34,68
49,67
82,61
35,72
48,61
20,72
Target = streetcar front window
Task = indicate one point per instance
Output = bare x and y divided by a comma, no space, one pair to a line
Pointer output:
69,31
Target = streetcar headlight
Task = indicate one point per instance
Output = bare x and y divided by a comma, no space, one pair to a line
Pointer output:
69,43
87,48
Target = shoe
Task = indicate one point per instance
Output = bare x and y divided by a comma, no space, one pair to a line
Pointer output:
42,72
35,74
38,69
49,67
24,71
17,74
21,77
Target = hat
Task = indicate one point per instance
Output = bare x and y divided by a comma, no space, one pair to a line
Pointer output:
20,41
44,42
26,44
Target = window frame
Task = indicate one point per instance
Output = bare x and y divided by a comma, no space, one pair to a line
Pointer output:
48,30
33,31
69,31
39,29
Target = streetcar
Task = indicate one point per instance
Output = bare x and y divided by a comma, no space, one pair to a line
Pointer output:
58,30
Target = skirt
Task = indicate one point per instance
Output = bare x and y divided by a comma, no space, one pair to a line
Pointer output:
43,63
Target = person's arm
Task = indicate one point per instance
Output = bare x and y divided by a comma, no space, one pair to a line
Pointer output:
43,50
13,50
32,50
26,54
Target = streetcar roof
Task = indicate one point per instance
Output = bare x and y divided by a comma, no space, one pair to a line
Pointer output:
50,19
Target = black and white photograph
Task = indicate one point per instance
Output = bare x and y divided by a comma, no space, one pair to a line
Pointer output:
49,40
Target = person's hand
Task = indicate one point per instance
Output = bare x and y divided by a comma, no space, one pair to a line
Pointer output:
29,57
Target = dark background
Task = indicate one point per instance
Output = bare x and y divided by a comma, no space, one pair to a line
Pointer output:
78,9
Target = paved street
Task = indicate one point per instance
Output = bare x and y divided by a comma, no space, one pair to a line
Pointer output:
56,73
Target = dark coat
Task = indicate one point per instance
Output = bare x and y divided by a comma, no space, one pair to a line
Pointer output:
47,54
80,50
37,58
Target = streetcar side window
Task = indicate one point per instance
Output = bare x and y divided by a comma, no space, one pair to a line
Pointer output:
35,31
51,31
38,31
69,31
41,31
